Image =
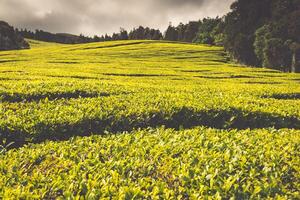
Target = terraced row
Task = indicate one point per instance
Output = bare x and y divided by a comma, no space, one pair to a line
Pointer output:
61,119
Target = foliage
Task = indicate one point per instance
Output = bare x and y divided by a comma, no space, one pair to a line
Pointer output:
171,34
256,32
261,36
210,32
276,54
140,33
63,38
9,39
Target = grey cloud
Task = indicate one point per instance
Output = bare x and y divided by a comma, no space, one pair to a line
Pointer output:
106,16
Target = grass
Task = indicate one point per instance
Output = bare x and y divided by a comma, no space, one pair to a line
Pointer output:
240,124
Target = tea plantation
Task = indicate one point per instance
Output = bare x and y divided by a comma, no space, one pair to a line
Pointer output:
145,120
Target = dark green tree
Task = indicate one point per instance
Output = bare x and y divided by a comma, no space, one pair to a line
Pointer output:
276,54
209,31
240,27
191,31
123,34
171,34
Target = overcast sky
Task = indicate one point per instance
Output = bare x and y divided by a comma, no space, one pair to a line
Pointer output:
92,17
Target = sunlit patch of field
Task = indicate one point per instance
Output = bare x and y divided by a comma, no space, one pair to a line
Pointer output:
167,90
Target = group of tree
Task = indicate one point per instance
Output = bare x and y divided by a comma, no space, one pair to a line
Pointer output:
9,39
54,37
142,33
264,33
211,31
208,31
202,31
183,32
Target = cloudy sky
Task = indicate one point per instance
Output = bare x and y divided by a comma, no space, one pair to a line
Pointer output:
106,16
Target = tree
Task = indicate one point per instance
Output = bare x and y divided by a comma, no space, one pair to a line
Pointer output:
209,31
240,25
96,38
137,34
293,25
123,34
191,31
181,28
156,34
115,36
295,50
10,39
107,37
261,36
171,34
147,33
264,28
276,54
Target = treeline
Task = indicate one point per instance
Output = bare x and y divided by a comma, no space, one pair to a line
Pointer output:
183,32
139,33
206,31
52,37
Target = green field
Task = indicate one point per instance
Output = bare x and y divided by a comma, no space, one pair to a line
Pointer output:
145,120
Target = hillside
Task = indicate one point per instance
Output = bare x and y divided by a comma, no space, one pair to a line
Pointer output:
151,119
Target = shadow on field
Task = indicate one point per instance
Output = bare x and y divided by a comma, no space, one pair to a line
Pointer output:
139,75
263,83
185,57
292,96
14,98
267,71
14,79
11,61
195,71
227,77
182,118
115,45
77,77
64,62
12,71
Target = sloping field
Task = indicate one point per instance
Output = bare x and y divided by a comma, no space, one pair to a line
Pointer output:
193,124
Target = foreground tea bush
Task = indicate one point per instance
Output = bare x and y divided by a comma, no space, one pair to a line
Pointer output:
158,163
